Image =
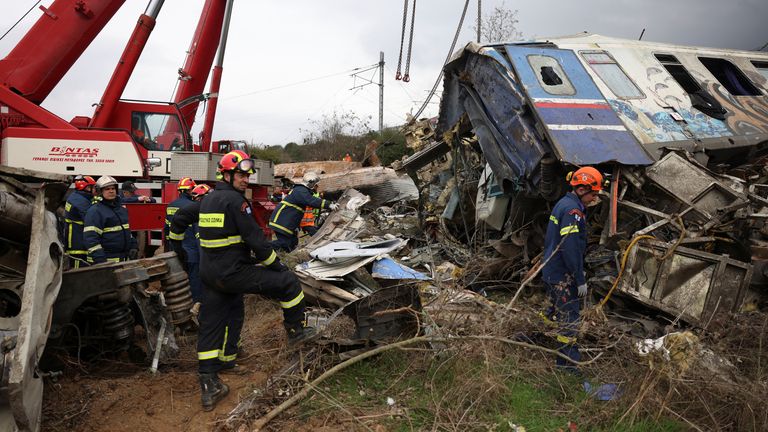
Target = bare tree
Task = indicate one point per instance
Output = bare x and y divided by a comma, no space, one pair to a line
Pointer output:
336,134
499,26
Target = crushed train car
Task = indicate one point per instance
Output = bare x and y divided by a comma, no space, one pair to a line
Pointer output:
31,261
681,132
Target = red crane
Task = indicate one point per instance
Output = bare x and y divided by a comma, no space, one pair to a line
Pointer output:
123,138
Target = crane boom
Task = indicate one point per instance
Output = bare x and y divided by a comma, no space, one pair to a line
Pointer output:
50,48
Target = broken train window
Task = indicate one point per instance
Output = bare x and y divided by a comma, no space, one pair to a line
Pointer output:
612,74
700,98
678,72
731,77
551,76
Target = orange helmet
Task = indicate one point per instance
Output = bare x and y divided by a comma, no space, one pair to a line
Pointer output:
186,183
82,182
587,176
200,190
236,160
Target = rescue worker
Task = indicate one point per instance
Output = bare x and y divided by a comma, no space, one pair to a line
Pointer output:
347,158
184,187
565,244
187,217
287,215
236,259
128,191
185,241
309,219
77,205
107,232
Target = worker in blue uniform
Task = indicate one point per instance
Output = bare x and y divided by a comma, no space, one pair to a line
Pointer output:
185,240
184,187
184,228
107,232
288,213
77,205
236,259
565,244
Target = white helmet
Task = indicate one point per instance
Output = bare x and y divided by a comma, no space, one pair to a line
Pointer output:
310,179
105,181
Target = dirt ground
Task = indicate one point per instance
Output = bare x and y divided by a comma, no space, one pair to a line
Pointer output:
123,396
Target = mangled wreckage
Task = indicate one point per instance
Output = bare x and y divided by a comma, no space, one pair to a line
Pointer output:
88,312
681,132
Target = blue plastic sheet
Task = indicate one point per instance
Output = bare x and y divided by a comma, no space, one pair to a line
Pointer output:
387,268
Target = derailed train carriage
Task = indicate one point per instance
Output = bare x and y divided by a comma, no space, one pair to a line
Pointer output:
681,132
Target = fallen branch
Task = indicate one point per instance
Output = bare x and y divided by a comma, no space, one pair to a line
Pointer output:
260,423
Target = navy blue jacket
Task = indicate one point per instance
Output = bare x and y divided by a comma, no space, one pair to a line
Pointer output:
77,205
567,224
184,229
183,200
288,212
107,232
230,237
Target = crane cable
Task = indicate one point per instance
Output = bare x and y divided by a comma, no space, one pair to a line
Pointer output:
407,76
398,76
448,57
22,17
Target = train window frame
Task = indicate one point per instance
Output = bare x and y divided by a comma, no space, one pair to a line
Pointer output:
676,62
609,83
748,88
761,66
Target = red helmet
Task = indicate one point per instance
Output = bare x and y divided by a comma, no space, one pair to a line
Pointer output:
200,190
236,160
186,183
587,176
82,182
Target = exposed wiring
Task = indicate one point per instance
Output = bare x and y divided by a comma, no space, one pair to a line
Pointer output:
623,265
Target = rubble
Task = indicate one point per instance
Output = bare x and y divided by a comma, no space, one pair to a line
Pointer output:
383,185
101,300
31,259
497,159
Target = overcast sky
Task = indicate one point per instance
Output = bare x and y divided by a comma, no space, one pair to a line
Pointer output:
278,43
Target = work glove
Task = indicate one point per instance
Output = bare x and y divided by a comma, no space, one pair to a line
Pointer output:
582,290
333,206
278,266
133,254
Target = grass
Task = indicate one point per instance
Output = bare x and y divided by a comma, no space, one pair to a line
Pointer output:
466,391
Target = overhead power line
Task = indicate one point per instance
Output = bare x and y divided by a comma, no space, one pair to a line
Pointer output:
448,57
282,86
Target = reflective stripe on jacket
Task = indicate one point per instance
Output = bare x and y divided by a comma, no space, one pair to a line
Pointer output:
75,209
288,213
173,207
184,228
566,238
228,235
107,233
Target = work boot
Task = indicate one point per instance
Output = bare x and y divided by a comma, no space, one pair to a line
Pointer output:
299,333
212,390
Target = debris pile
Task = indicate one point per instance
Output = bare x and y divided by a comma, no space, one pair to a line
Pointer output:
106,302
31,259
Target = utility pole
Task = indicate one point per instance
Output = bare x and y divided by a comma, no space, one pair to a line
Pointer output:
381,91
369,81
